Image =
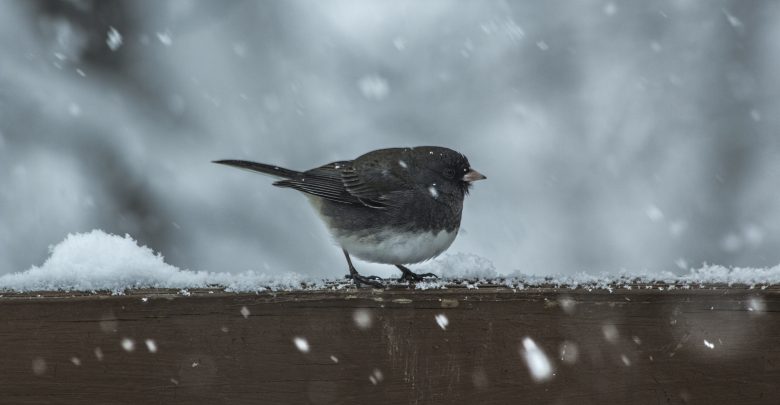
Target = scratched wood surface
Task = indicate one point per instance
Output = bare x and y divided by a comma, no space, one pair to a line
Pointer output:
636,346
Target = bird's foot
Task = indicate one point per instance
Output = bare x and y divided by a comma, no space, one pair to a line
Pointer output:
359,280
411,276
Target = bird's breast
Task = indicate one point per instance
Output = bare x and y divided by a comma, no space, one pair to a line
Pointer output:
395,247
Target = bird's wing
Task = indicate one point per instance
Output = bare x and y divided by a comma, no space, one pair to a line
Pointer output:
367,192
343,182
324,181
375,184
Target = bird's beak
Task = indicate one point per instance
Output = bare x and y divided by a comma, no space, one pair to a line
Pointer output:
473,175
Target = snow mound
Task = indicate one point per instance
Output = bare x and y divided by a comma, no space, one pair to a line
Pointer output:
454,266
98,261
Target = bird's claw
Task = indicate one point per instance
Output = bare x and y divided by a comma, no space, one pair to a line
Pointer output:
349,276
412,276
368,280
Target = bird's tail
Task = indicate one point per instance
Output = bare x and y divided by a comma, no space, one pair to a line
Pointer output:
275,171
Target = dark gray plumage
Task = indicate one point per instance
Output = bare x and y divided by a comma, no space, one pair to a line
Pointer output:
395,206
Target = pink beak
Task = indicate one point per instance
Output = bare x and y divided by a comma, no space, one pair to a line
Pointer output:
473,175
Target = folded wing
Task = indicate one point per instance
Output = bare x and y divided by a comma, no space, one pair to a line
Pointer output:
342,182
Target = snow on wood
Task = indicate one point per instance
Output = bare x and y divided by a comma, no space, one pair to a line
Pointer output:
97,261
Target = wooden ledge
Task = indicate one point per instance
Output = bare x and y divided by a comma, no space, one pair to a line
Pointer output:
712,344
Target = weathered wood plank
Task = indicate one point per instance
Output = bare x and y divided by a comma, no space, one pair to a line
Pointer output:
635,346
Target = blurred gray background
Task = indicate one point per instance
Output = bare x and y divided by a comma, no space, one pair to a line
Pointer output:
615,135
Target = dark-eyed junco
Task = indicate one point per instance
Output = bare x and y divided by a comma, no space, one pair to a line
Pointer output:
393,206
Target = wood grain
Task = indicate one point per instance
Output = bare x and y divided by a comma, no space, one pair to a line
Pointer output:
637,346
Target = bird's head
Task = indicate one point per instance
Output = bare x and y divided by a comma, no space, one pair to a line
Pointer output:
446,169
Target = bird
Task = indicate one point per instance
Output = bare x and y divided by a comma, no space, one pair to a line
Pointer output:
396,206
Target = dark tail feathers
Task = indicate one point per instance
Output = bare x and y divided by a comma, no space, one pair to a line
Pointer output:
260,167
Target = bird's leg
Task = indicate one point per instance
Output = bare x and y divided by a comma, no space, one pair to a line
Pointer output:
412,276
357,278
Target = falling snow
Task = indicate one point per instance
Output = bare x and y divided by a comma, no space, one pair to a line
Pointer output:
654,213
734,21
399,43
537,362
362,318
113,39
108,322
128,344
245,312
677,227
479,378
376,376
756,304
442,321
508,27
567,304
374,87
569,352
74,109
731,242
610,333
39,366
434,192
708,344
302,344
151,345
165,38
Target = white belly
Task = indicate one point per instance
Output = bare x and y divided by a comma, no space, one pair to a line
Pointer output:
397,248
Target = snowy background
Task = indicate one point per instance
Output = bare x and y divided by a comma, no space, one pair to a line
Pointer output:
615,135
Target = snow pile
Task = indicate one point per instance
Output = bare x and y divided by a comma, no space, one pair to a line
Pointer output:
460,266
99,261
